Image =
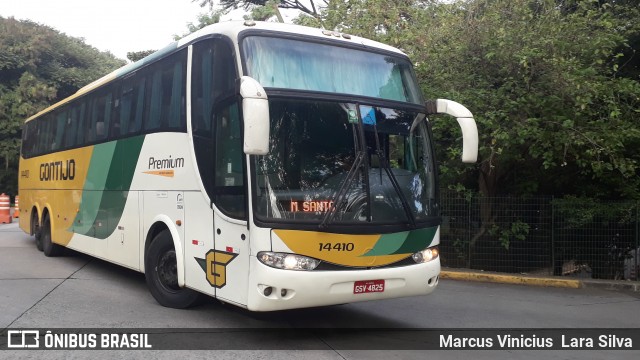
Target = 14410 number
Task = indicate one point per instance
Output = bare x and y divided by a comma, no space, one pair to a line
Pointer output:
336,246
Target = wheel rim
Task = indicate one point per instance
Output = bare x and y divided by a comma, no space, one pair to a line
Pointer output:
167,271
46,235
34,225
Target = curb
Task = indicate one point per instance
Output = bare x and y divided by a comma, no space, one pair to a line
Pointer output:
612,285
511,279
616,285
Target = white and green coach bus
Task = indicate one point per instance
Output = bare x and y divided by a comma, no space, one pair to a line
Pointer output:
270,166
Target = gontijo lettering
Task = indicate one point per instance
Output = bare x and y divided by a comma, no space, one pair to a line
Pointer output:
58,170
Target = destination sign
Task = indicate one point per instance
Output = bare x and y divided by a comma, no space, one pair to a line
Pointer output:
308,206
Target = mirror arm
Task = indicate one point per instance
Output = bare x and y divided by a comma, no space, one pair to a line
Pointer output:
466,122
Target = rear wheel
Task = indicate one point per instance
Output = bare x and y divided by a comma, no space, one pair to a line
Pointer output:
48,247
161,272
36,230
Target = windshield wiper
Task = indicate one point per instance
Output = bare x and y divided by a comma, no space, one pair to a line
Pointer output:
387,168
359,147
339,198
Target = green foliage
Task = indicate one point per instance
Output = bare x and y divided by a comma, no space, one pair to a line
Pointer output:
265,12
204,19
546,80
553,84
579,211
543,87
38,66
595,233
309,7
137,55
517,231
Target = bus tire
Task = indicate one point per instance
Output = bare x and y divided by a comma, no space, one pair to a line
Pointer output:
36,230
161,273
48,247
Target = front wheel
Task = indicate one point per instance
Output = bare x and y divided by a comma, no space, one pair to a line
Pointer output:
161,273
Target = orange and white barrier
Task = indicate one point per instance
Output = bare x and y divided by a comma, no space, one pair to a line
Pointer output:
5,209
16,210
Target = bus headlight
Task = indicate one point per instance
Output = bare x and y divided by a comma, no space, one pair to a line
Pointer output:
287,261
426,255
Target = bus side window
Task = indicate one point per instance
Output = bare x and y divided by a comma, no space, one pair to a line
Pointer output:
37,124
167,98
102,116
27,140
24,143
98,123
60,125
176,101
90,122
229,172
201,88
152,121
71,127
128,108
114,129
82,121
46,134
215,121
135,122
201,110
229,190
122,110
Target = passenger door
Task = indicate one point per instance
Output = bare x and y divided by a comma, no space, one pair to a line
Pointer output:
231,236
216,130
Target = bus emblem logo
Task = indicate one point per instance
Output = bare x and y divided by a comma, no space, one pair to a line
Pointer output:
215,267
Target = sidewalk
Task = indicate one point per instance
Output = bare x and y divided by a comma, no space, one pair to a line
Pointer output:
477,275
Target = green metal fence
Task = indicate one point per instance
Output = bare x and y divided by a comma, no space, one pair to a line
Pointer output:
572,237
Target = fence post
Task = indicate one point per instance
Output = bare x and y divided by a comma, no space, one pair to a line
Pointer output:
553,242
635,248
469,208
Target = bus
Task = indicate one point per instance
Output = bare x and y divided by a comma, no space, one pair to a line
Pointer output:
267,165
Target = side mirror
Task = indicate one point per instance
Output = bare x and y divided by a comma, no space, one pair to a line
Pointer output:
255,110
466,122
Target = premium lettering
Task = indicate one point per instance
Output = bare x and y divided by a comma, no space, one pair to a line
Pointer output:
162,164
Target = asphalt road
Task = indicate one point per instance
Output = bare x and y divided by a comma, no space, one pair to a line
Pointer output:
77,291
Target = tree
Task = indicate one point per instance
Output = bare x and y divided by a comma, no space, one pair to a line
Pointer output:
264,9
552,83
310,7
137,55
544,87
38,66
554,115
204,19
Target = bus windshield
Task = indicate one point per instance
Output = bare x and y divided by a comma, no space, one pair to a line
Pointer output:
343,163
293,64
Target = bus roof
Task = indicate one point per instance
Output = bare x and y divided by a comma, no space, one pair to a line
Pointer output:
232,29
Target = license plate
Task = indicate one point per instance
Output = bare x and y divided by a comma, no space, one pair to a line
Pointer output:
369,286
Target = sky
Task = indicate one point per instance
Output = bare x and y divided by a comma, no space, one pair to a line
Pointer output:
118,26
